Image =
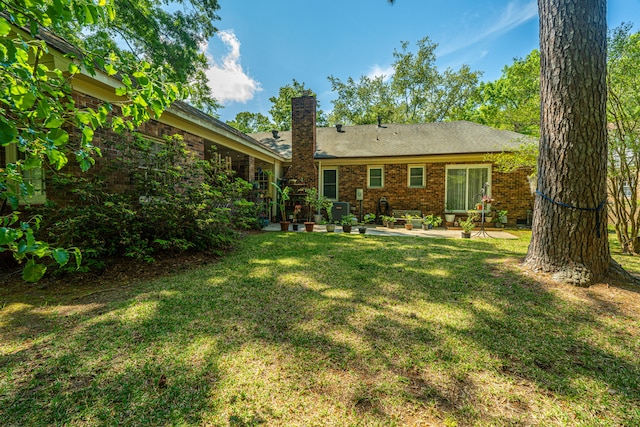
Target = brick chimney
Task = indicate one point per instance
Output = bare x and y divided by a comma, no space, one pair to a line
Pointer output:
303,140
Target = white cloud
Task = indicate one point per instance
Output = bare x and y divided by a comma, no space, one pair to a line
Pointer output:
227,80
377,71
515,14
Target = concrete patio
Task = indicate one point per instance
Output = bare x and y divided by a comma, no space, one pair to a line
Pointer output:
440,233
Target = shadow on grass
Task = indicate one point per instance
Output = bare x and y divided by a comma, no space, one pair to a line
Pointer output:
326,329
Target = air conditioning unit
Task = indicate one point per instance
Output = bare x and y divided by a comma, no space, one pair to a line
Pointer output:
339,209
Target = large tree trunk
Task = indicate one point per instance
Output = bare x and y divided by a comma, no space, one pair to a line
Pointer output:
570,221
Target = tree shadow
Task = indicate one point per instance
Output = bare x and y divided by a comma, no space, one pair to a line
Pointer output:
376,330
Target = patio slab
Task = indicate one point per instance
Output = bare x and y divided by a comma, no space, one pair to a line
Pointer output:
439,233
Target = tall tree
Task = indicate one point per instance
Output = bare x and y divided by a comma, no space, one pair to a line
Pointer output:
165,34
247,122
623,108
569,236
281,105
415,92
38,113
513,100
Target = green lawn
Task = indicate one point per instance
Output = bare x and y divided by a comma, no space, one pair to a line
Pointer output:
304,329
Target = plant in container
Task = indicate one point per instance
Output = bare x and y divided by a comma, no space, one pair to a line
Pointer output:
389,221
366,219
501,218
284,194
468,225
347,222
408,218
431,221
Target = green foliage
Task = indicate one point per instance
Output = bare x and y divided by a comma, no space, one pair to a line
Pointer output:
281,105
177,203
513,101
525,157
38,114
433,220
623,111
348,219
283,196
416,92
468,224
251,122
369,218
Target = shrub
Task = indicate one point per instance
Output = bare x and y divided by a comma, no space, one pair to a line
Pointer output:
174,202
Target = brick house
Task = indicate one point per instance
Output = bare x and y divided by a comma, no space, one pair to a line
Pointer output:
203,134
430,167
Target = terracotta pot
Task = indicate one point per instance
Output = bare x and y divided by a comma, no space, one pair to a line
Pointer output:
284,225
408,226
308,226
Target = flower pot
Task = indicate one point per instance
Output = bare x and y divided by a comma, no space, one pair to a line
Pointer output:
450,217
295,226
362,229
466,235
308,226
408,226
503,219
416,223
284,225
331,228
346,228
317,218
391,224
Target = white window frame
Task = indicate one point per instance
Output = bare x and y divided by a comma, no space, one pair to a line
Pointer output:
337,181
424,172
466,167
11,156
369,169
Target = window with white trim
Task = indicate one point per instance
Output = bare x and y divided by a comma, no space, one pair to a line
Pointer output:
33,177
330,183
375,177
464,186
416,176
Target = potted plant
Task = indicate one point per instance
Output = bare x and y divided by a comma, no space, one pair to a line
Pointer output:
501,218
468,225
366,219
390,221
408,224
297,210
448,215
347,222
283,196
431,221
327,205
313,203
331,227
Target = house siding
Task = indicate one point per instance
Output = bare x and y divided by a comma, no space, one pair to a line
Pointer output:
511,190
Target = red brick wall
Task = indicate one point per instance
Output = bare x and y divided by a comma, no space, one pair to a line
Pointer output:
303,141
511,191
105,139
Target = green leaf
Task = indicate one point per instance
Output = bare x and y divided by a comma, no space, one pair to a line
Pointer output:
7,132
78,255
8,235
32,271
54,122
59,137
73,68
57,159
32,163
5,27
61,256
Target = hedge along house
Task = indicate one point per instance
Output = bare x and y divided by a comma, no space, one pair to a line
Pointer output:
204,135
430,167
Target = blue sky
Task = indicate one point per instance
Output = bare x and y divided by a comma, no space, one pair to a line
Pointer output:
263,45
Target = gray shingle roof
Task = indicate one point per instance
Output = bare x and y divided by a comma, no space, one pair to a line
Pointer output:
459,137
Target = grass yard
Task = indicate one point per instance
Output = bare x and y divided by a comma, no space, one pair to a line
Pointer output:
315,329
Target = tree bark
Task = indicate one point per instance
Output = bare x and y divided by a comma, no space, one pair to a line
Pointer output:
569,236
